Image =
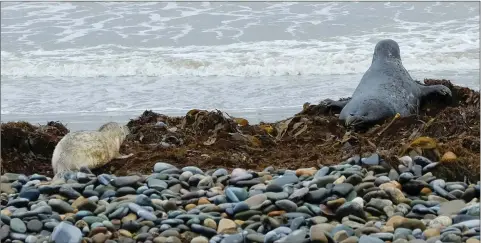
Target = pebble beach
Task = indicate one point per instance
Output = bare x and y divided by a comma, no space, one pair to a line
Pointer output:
358,200
236,142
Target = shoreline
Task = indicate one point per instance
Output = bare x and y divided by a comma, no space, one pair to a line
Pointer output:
92,121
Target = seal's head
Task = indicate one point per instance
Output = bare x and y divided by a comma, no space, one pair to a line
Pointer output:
386,49
366,113
122,130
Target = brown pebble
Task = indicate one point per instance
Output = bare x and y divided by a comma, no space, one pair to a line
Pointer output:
203,201
449,157
276,213
78,201
305,172
190,206
431,232
80,224
125,233
395,220
6,212
227,226
99,238
387,229
336,203
472,240
129,217
267,177
426,191
97,230
239,222
210,223
116,222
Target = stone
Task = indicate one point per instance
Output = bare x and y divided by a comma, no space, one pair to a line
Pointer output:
66,233
428,233
236,194
451,207
336,203
125,233
371,160
203,201
60,206
317,235
200,239
411,224
161,166
426,191
99,238
369,239
170,232
7,188
17,225
31,194
69,192
255,200
351,239
286,205
306,172
203,230
31,239
210,223
414,187
448,157
276,213
227,226
450,237
274,196
157,184
440,222
395,221
34,225
285,179
350,208
342,189
317,196
295,236
340,235
472,240
299,194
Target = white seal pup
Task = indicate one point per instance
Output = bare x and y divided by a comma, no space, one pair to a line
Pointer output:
89,149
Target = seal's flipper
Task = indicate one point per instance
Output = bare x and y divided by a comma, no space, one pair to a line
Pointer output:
121,156
85,170
331,104
437,90
64,175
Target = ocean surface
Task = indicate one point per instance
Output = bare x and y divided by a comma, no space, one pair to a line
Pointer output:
86,63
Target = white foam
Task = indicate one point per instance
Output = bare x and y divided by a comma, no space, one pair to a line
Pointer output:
276,58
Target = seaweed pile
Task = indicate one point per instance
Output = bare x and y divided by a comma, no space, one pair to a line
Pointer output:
448,134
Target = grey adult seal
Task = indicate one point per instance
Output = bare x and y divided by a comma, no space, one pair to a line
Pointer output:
386,89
